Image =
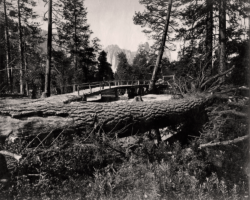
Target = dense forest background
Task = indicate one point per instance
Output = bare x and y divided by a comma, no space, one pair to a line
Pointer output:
76,58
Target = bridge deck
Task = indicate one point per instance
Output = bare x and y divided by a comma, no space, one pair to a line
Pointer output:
97,90
69,97
93,88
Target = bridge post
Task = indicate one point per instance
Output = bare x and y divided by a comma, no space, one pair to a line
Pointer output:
142,91
90,89
138,82
62,90
100,86
74,87
116,93
78,91
109,85
84,97
138,91
103,85
126,93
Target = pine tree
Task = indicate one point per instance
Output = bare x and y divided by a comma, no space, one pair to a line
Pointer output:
222,37
158,20
22,10
209,34
123,69
7,49
49,50
104,68
21,47
140,65
153,19
73,31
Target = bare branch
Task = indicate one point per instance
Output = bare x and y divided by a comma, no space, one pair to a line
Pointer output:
233,112
224,143
217,76
234,104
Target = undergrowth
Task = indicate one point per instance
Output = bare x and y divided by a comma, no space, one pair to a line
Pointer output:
72,169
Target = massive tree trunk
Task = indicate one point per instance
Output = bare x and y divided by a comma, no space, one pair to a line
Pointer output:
222,38
161,50
49,45
21,49
209,34
121,119
7,50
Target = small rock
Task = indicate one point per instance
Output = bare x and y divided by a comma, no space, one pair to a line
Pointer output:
177,96
44,95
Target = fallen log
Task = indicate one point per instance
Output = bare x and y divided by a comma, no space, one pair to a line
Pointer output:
41,117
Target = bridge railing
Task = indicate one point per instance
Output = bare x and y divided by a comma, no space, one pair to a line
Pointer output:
100,85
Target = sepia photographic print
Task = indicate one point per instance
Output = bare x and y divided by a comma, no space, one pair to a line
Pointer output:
124,99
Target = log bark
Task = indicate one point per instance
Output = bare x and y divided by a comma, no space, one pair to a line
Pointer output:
35,118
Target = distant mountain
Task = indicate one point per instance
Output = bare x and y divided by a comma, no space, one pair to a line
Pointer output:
112,55
114,50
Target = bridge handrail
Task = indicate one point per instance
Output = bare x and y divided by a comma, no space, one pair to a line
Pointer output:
111,81
101,84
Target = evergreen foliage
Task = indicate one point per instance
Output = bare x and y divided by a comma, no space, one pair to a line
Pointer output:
123,69
104,68
140,65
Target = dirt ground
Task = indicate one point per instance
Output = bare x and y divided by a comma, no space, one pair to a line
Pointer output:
11,100
19,100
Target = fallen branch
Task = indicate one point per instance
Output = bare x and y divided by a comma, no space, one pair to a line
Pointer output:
224,143
239,105
233,112
13,155
217,76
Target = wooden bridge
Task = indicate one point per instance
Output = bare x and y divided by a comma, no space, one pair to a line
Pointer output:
131,87
94,88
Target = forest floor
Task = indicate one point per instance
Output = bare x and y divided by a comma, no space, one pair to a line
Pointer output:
20,100
11,100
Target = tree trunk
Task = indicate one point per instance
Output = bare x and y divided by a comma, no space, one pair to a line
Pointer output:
161,50
209,35
26,75
7,50
75,56
21,49
121,119
222,38
49,46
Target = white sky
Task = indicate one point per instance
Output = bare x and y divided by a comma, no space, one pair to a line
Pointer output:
111,21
